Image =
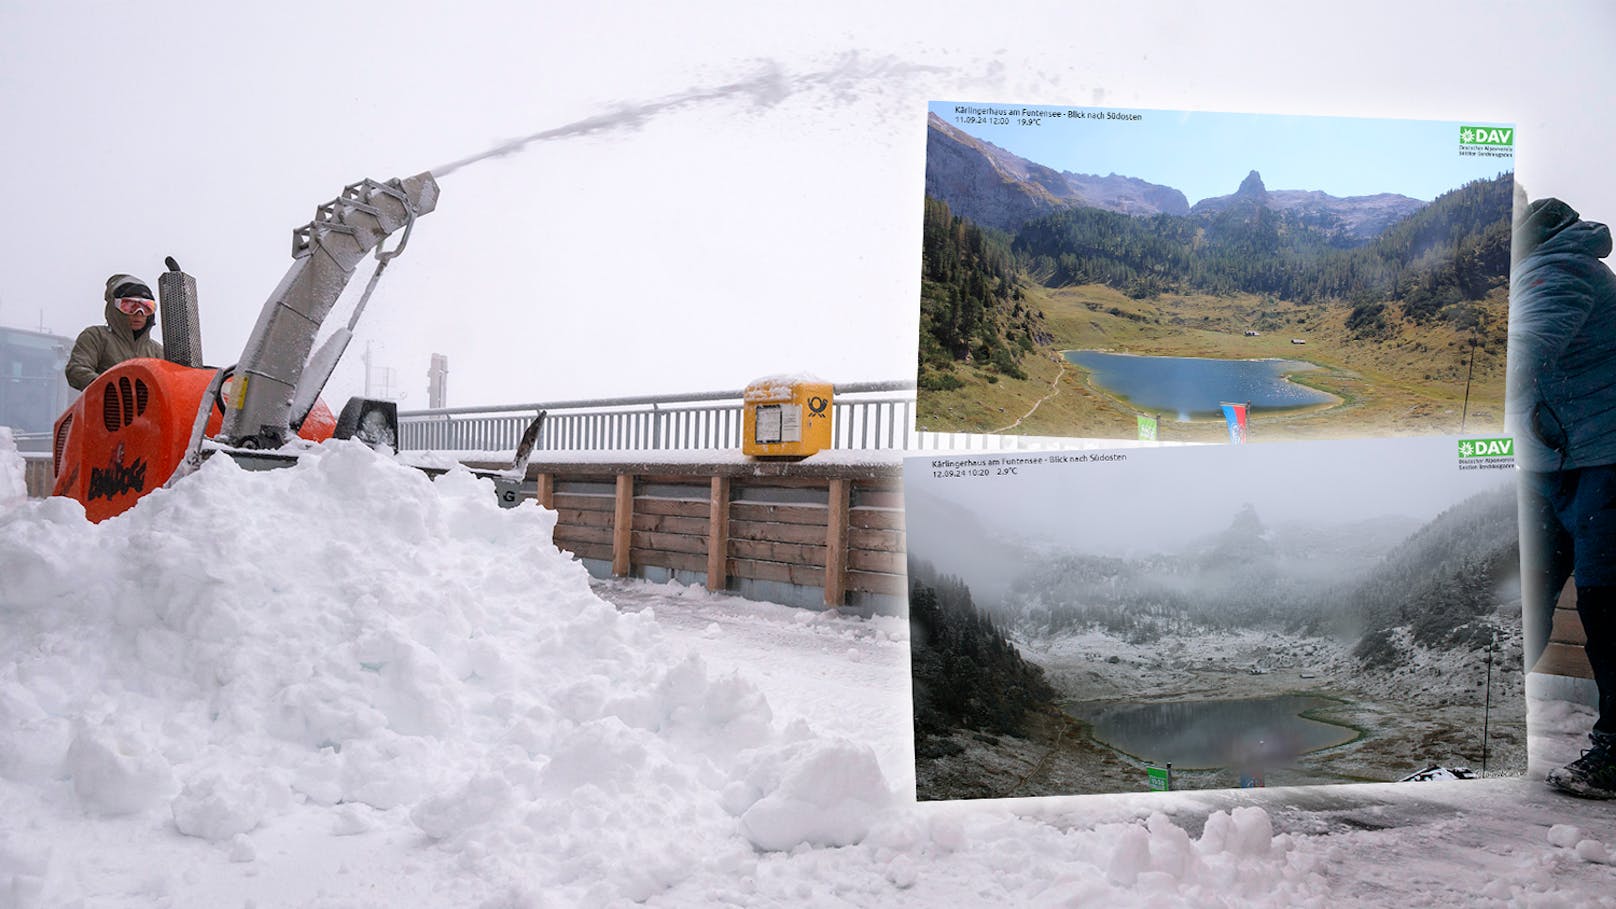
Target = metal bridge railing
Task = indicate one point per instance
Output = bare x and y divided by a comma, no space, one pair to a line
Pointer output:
865,416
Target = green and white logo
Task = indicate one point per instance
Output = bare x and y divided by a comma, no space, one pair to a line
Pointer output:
1503,447
1486,135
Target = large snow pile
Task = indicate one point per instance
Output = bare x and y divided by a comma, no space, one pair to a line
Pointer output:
347,633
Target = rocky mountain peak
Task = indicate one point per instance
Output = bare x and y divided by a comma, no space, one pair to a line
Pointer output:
1245,541
1252,186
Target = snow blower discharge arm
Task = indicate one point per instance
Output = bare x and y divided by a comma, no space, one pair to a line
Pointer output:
156,420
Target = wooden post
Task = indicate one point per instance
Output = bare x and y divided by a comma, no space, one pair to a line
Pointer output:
546,491
718,535
622,524
836,541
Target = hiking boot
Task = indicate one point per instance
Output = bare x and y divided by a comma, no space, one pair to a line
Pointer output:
1592,776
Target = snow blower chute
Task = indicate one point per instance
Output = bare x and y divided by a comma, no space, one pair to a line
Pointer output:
145,422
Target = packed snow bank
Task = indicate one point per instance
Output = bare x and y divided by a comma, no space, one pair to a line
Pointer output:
348,633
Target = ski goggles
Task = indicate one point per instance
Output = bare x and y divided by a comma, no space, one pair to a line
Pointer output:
131,305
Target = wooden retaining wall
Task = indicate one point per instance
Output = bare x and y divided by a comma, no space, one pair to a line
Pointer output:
837,528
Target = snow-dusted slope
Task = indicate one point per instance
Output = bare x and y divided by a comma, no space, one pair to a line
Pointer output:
341,685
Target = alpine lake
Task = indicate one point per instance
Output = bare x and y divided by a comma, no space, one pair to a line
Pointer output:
1193,387
1240,734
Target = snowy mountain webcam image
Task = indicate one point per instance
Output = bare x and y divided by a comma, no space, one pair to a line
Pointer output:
1237,616
1089,271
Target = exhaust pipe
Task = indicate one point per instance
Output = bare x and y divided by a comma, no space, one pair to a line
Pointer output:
182,325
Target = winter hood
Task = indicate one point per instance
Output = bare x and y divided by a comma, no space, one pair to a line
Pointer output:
117,321
1551,226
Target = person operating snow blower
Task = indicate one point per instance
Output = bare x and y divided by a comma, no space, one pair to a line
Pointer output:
131,315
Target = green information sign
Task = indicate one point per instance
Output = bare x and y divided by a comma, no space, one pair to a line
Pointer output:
1147,429
1161,778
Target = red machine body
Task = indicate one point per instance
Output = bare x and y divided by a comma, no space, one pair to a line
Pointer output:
130,429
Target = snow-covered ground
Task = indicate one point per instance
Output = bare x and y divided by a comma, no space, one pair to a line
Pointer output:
342,685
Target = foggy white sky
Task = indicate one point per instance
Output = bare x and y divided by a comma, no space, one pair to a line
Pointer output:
1161,498
714,244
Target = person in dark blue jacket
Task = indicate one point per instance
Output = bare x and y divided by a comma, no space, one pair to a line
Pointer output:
1561,408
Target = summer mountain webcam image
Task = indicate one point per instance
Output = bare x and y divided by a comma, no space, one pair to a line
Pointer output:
1368,297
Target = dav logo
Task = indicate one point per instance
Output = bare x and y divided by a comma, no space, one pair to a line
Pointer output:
1486,135
1487,448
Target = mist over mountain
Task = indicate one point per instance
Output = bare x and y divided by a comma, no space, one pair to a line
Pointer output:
951,537
1437,580
1441,583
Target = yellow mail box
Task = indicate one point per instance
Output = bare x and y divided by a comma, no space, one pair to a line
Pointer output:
785,417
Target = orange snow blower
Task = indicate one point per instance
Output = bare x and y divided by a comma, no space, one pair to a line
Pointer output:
130,431
146,423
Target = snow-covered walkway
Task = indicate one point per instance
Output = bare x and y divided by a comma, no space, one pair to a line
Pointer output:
1485,842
